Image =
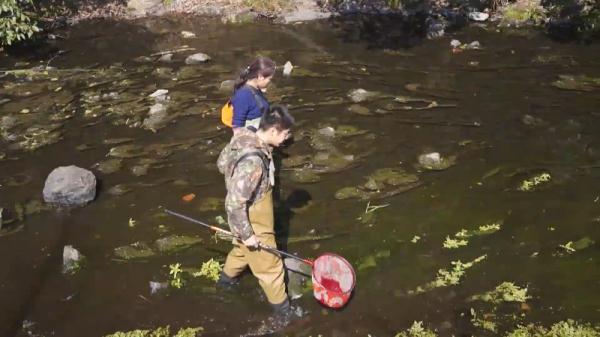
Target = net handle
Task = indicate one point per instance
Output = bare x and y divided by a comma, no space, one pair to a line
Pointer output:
221,230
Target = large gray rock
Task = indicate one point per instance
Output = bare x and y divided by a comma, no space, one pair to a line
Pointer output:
70,186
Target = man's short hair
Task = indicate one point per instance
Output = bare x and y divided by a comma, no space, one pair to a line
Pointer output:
278,117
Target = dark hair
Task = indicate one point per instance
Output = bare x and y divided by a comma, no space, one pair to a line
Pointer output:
277,117
262,66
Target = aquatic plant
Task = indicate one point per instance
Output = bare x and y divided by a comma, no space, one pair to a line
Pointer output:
210,269
451,243
529,184
460,238
568,328
158,332
175,272
449,277
16,24
416,330
504,292
483,322
571,247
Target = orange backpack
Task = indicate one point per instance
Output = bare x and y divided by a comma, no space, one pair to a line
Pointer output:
227,109
227,114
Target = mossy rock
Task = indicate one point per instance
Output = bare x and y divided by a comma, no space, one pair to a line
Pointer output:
578,83
295,161
305,176
175,243
348,193
392,177
211,204
348,130
137,250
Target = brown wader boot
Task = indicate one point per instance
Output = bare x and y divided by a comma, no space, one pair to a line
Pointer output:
265,266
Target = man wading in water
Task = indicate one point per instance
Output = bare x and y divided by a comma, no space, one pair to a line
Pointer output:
249,173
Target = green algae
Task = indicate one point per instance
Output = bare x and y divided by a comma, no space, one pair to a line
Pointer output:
159,332
504,292
416,330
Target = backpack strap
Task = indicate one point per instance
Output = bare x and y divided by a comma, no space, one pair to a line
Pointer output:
258,99
261,155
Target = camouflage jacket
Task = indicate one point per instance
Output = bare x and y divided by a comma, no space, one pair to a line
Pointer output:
248,182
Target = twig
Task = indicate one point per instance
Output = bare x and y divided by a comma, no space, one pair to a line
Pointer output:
176,50
417,122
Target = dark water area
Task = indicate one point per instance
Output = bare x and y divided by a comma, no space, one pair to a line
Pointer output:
496,109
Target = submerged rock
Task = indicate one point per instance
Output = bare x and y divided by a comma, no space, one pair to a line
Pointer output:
360,110
127,151
135,250
70,186
174,243
287,68
227,85
109,166
119,189
434,161
72,259
298,274
197,58
578,83
382,183
187,35
157,117
211,204
305,176
361,95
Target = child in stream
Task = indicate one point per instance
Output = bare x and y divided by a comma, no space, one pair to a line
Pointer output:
248,101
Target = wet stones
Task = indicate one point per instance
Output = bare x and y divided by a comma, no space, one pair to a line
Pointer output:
175,243
72,260
197,58
70,186
359,110
135,250
380,184
577,83
157,117
109,166
361,95
435,162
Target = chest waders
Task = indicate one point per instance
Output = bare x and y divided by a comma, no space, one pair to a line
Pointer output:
265,266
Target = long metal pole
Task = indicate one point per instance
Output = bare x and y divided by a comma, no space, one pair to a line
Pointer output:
218,229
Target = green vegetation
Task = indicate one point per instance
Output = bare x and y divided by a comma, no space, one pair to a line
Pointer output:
175,272
567,328
460,238
269,5
416,330
447,277
16,23
210,269
159,332
523,11
530,184
504,292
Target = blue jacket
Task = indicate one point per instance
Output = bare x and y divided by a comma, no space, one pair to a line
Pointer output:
245,105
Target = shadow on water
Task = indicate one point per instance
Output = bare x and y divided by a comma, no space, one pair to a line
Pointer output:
95,42
382,31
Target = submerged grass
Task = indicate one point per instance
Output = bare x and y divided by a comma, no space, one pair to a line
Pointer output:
159,332
504,292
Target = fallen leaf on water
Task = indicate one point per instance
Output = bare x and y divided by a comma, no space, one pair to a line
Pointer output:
188,197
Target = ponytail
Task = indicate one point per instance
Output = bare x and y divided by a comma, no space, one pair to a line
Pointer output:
262,66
